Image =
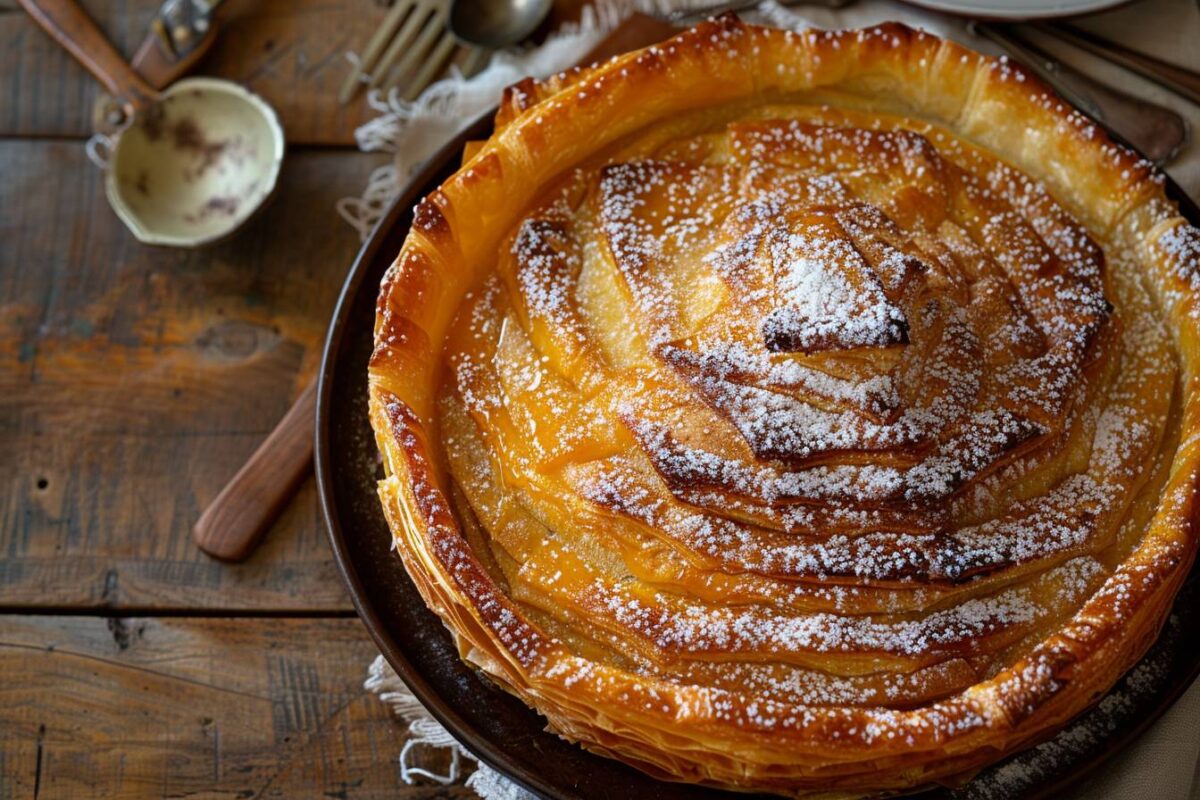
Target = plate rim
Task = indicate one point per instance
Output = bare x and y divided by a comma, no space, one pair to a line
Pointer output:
459,728
997,11
418,684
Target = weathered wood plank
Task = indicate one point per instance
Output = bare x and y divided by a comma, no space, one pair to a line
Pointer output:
134,381
292,52
237,708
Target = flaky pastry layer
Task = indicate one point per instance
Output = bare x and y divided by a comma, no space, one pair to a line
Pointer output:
811,413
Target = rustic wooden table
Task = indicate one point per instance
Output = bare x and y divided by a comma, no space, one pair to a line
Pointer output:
134,381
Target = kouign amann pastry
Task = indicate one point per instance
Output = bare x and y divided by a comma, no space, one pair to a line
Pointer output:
804,412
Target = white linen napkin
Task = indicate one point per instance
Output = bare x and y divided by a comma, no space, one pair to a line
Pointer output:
1164,764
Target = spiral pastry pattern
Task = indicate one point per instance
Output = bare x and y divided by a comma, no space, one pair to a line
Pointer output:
791,442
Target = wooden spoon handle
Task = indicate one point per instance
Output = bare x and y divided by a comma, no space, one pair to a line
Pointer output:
70,26
238,517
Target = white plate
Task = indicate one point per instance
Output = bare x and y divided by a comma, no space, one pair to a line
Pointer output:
1017,9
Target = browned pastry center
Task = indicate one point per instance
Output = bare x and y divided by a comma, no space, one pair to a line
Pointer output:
826,437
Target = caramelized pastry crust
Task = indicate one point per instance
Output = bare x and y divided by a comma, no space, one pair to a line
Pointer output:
811,413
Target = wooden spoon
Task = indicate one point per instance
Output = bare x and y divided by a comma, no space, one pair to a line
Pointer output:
235,521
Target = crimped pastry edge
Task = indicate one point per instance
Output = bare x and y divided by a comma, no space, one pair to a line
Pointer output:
543,129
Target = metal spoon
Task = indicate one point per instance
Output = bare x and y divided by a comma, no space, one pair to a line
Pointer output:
494,24
191,163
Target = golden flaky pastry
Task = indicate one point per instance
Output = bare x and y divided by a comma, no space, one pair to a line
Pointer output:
807,412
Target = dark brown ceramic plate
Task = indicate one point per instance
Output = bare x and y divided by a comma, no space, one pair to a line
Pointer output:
504,732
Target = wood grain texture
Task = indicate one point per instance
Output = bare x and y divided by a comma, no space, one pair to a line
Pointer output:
135,381
215,708
292,52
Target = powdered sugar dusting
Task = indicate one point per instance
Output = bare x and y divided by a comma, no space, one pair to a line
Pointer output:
815,411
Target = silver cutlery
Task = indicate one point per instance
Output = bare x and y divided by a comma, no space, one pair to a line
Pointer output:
1179,79
1156,131
413,33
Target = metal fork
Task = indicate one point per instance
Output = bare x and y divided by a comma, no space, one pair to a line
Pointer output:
410,33
411,45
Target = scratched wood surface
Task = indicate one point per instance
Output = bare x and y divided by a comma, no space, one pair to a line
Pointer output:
216,708
292,52
134,381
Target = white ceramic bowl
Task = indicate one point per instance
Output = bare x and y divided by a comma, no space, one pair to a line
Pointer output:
195,166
